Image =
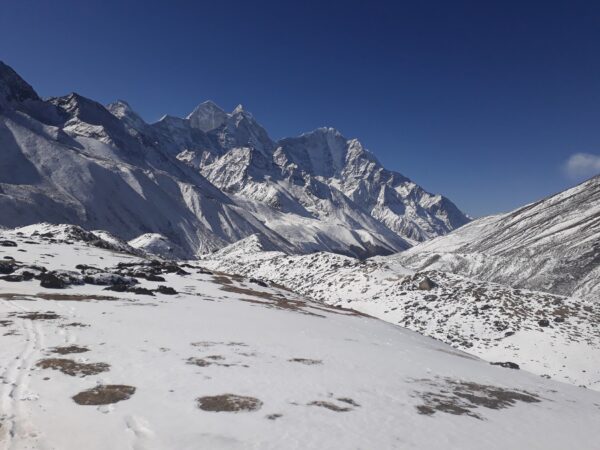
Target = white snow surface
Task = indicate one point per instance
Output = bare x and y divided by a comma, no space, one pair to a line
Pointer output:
321,377
490,320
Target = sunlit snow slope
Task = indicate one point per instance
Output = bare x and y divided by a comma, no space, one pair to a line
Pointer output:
214,361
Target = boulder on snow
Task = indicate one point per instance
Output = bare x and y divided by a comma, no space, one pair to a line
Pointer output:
506,364
544,323
6,243
51,281
426,284
166,290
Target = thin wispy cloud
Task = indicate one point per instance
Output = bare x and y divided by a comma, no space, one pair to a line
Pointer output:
582,165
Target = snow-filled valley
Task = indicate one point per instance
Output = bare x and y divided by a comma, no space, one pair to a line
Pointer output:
211,360
194,284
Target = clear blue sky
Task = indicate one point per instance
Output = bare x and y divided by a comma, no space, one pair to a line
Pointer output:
483,101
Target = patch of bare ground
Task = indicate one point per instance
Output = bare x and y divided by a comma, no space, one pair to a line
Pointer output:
104,394
274,416
228,403
13,296
330,406
463,397
207,344
5,323
73,368
75,325
212,361
275,301
48,315
69,349
74,298
306,361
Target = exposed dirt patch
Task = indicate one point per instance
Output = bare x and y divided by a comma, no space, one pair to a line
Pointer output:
308,362
75,298
207,344
228,403
5,323
221,279
75,324
463,397
104,395
274,416
273,300
69,349
73,368
330,406
48,315
211,361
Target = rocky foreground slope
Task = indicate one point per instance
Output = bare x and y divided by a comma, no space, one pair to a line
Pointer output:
202,182
551,335
101,347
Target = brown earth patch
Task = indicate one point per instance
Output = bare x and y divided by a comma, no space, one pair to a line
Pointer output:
48,315
73,368
69,349
228,403
104,395
463,397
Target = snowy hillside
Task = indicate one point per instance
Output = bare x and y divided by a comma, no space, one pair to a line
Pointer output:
549,335
551,245
107,348
201,182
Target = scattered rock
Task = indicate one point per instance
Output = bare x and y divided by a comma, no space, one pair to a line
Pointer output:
426,284
308,362
6,243
51,281
506,364
544,323
166,290
330,406
259,282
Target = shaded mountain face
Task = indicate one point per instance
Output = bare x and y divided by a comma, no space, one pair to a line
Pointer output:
551,245
204,181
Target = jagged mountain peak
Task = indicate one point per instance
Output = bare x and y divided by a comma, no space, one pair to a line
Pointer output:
210,179
207,116
13,88
123,110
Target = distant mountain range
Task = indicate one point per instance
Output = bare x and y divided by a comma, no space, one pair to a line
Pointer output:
199,183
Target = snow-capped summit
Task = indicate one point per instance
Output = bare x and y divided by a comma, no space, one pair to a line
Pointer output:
123,111
207,116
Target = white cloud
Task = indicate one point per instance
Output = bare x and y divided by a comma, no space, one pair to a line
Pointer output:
582,165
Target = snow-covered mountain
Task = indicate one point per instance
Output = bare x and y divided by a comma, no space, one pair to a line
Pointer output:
201,182
551,245
105,349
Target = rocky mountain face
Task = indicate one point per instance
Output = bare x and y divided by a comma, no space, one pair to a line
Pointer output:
203,181
551,245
